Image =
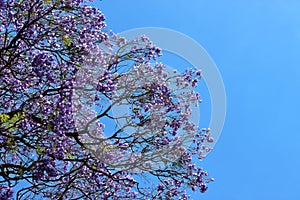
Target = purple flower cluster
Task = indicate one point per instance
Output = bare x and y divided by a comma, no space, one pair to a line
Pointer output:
6,193
44,170
106,83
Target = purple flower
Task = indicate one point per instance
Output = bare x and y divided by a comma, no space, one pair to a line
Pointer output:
6,192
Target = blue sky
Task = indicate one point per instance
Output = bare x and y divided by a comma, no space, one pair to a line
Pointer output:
256,46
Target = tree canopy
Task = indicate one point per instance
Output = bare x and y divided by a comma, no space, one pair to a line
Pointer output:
86,114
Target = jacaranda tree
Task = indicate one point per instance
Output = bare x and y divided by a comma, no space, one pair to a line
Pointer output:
86,114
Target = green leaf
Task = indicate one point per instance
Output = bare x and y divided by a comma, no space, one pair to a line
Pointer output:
4,118
47,2
70,156
10,122
67,40
40,150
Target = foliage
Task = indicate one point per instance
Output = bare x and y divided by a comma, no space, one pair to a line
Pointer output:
49,49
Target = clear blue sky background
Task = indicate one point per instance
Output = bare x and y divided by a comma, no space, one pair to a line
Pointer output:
256,46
